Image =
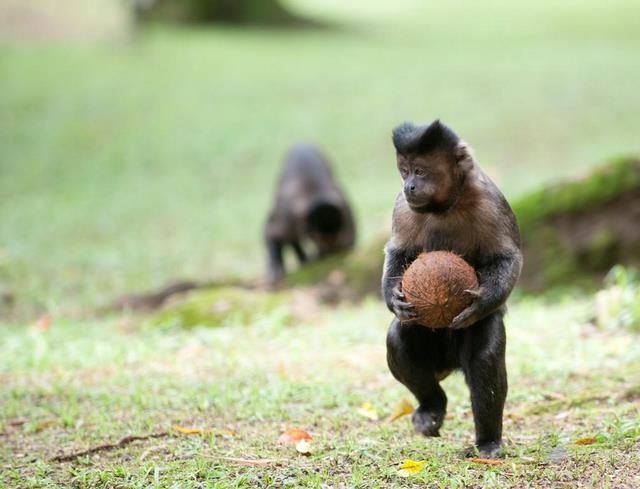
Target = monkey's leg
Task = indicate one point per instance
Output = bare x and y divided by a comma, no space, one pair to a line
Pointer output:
409,349
483,363
276,262
299,250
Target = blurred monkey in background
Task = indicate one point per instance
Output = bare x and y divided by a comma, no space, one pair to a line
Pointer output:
309,207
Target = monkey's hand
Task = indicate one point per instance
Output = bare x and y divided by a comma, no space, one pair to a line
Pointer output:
403,310
470,315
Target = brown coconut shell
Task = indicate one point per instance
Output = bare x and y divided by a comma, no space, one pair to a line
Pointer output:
435,285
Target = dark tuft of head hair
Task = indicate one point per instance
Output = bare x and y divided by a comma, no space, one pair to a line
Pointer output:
411,139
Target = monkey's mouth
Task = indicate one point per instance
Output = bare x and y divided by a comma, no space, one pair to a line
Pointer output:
418,205
429,207
420,208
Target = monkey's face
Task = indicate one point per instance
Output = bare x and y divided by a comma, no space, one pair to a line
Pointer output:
428,181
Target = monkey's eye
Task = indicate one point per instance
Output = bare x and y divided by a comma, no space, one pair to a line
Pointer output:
419,172
403,172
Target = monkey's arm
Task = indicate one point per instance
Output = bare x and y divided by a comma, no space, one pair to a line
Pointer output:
276,263
300,253
497,276
395,262
274,230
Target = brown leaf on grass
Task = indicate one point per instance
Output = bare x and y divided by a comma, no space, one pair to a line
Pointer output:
403,408
411,467
486,461
303,447
368,411
187,431
43,323
585,441
282,370
225,433
294,435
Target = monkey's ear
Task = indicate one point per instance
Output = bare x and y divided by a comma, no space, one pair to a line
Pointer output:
464,155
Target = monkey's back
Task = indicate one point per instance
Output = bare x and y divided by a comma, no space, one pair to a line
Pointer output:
306,178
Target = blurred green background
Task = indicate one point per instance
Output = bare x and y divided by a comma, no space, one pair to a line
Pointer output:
130,158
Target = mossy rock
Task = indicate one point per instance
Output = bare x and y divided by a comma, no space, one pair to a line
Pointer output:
583,194
573,232
223,306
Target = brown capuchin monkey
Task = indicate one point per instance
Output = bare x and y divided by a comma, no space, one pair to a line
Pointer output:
448,203
309,206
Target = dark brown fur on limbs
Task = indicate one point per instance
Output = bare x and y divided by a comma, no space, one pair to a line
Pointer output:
438,285
448,203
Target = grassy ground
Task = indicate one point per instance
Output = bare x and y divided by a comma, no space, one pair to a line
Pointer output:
130,163
246,384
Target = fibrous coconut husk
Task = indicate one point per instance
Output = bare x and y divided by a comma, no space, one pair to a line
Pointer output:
435,284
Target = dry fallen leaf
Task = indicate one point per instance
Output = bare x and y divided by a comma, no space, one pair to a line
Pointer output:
282,370
411,467
43,323
403,408
294,435
368,411
225,433
486,461
303,447
187,431
585,441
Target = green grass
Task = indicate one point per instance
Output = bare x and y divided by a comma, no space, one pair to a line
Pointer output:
129,163
247,383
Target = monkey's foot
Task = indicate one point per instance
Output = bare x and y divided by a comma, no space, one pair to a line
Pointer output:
427,422
492,449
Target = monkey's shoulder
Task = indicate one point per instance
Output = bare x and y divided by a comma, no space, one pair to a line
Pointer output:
476,227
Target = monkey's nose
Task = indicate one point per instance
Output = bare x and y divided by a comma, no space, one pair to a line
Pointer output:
412,188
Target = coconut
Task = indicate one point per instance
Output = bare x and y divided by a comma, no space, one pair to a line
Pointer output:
435,284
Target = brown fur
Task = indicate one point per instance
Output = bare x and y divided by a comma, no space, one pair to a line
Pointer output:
471,228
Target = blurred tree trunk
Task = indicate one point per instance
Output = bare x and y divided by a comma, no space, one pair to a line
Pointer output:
204,11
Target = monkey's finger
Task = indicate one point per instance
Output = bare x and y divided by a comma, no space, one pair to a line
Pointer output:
408,322
398,293
408,311
404,314
405,306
